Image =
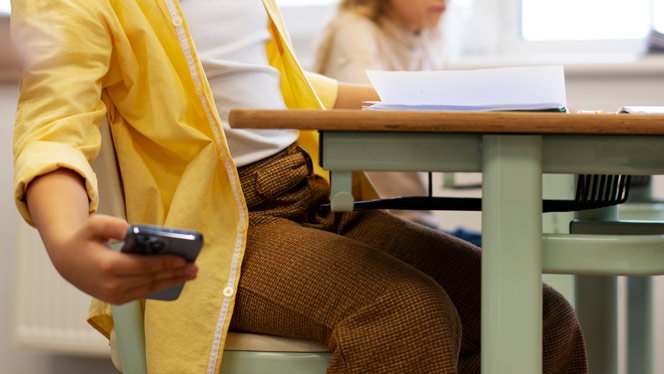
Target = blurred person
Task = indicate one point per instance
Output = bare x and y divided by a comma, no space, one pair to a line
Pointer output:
394,35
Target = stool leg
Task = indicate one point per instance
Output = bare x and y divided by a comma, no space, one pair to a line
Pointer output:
129,328
640,338
640,304
597,309
128,320
597,306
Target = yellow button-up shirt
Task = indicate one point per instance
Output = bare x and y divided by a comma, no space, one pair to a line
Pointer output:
134,61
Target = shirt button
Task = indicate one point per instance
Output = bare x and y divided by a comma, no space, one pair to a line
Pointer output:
228,291
199,89
241,226
177,21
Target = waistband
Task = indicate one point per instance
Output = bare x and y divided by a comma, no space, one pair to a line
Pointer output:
273,176
293,151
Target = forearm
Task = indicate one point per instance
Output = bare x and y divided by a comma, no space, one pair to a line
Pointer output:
77,244
351,96
58,204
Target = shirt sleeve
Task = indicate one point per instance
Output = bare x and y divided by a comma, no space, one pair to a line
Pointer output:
326,88
64,50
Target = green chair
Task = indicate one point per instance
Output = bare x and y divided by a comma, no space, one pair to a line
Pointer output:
244,353
640,215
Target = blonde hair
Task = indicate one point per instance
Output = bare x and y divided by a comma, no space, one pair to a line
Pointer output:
373,10
369,8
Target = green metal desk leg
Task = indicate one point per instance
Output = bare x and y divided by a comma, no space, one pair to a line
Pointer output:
511,259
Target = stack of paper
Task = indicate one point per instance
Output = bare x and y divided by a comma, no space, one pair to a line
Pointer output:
656,42
641,109
513,88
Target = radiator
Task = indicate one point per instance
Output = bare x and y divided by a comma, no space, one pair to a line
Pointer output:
49,313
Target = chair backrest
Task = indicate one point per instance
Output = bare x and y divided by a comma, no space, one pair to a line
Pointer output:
111,195
127,339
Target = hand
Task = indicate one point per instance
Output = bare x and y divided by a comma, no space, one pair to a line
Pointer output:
83,257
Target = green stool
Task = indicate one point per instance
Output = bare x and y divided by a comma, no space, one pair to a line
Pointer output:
244,353
256,354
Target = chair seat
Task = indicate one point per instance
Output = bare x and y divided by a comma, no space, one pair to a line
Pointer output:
242,341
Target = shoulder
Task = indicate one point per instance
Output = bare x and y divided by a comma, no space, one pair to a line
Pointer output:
351,23
353,33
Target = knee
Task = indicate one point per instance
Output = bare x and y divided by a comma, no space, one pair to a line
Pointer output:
560,325
563,343
557,311
424,304
413,327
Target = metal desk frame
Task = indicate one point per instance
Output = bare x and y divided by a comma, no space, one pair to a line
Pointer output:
512,151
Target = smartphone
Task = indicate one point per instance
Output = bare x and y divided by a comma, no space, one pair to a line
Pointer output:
152,240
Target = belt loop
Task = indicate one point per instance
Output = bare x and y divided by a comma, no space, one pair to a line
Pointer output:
307,158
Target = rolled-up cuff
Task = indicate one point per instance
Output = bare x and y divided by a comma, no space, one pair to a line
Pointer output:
42,158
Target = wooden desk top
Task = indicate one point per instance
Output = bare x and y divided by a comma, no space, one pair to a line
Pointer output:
452,122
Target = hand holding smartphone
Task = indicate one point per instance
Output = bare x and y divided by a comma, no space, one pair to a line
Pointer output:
151,240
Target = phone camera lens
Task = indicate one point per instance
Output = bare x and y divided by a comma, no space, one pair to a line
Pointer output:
139,242
156,245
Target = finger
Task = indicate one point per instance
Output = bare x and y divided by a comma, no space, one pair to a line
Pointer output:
126,288
187,272
105,227
131,264
152,286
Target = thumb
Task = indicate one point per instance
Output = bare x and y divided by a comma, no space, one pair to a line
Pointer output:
103,227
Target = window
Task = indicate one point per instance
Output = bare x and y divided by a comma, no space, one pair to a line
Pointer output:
5,6
658,15
563,30
584,19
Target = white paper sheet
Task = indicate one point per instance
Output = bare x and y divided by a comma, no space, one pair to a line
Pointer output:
512,88
641,109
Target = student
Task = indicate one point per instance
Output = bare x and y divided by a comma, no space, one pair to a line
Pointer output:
381,35
385,35
273,261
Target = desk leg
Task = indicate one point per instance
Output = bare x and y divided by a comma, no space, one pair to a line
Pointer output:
511,259
341,191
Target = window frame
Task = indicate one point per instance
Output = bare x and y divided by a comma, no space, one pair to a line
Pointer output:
499,23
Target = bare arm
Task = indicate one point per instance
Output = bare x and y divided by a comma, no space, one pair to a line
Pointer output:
351,96
78,244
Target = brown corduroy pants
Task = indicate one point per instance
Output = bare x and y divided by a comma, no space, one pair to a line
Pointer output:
384,294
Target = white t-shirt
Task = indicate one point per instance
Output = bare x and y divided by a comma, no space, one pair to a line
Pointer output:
230,38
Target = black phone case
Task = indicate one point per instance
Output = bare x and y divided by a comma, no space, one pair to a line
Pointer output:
157,240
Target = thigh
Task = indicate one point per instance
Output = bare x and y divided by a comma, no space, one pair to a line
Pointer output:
453,263
300,281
